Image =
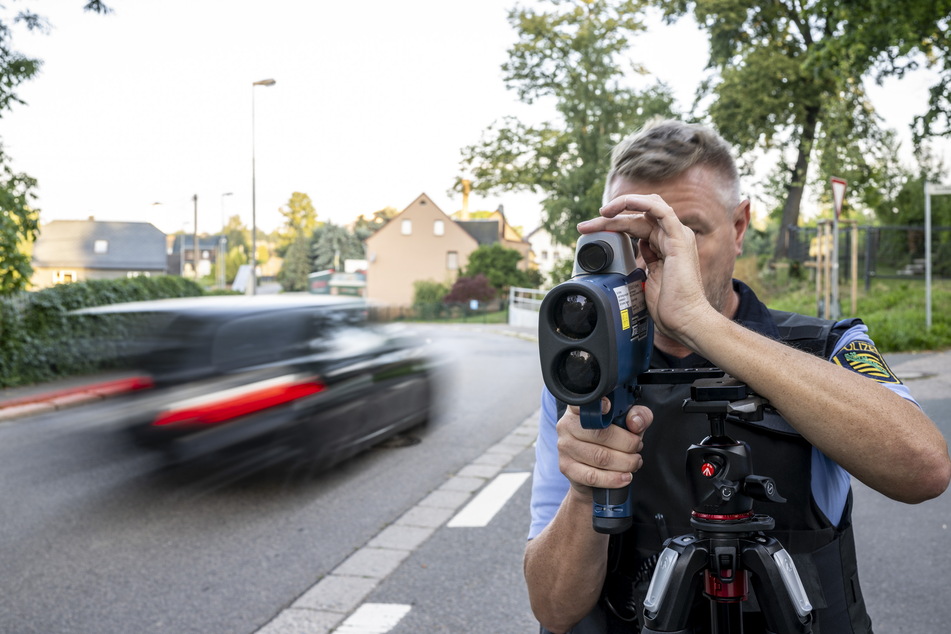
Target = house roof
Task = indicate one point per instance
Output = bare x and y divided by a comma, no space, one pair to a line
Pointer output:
93,244
484,231
539,229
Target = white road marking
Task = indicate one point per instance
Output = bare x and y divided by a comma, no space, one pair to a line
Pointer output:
483,507
374,618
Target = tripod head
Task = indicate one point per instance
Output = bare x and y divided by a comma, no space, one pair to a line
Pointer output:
719,468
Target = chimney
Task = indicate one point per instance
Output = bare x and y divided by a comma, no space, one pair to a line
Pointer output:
466,187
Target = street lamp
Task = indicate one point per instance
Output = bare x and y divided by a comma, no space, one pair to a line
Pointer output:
221,244
253,287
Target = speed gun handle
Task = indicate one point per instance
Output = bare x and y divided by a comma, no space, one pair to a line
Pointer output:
611,508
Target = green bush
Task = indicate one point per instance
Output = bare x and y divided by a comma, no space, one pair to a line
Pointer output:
40,340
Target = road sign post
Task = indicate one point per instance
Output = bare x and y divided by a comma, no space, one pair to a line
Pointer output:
931,189
838,195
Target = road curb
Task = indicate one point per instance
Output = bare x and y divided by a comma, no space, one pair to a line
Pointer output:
43,399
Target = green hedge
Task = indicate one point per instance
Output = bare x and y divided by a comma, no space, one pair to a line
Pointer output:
40,340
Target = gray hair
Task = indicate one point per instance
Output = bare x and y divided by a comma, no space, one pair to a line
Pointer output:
665,148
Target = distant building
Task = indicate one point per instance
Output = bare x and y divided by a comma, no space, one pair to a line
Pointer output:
547,252
82,250
423,243
184,244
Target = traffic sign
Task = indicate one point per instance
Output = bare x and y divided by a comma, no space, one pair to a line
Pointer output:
936,190
838,193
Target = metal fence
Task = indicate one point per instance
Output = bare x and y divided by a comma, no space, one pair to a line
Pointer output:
892,252
524,304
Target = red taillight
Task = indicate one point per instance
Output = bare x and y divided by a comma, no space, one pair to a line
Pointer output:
229,404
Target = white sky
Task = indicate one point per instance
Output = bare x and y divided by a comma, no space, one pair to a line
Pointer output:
373,102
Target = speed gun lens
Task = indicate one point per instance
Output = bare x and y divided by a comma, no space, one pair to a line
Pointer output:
575,316
594,257
579,372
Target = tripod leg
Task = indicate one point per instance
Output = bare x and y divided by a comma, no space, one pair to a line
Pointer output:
675,584
779,590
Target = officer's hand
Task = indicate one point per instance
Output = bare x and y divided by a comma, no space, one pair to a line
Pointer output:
674,288
601,458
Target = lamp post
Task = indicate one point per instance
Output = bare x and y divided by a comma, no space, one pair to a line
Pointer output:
221,244
253,287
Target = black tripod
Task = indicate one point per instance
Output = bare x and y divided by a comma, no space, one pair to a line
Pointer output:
728,545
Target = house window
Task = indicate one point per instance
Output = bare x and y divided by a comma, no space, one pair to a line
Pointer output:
406,227
452,260
64,277
545,255
100,246
138,274
439,227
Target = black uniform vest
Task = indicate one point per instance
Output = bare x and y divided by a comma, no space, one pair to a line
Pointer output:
824,554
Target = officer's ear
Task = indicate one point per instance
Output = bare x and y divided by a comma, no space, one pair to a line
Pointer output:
741,222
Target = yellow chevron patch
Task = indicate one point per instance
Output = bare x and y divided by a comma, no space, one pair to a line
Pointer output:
864,358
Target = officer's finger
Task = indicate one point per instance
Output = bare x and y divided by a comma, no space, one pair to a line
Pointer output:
586,445
639,419
587,476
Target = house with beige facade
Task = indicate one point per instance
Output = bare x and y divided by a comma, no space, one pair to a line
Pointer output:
424,243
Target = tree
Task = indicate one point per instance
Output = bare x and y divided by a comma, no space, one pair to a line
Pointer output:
237,235
300,220
904,204
789,74
366,226
297,266
332,244
19,222
500,267
572,55
236,257
560,272
263,253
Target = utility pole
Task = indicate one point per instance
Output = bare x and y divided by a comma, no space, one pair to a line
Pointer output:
197,250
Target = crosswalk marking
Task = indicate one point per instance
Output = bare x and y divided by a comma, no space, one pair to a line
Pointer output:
374,618
483,507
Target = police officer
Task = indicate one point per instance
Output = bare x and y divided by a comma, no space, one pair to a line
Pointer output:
675,187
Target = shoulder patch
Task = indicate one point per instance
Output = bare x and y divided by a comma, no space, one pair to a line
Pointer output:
864,358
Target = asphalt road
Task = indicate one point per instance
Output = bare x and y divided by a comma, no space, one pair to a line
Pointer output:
95,538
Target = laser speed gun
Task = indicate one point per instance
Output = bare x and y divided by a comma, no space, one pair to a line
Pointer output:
595,337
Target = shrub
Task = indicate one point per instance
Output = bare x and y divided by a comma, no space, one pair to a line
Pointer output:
40,340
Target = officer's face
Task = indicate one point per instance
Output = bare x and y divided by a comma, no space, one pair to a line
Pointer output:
697,200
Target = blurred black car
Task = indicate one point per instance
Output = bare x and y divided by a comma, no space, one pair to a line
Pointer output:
276,377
